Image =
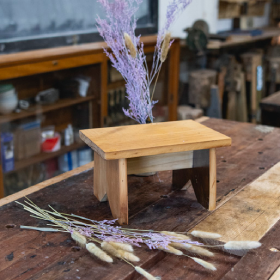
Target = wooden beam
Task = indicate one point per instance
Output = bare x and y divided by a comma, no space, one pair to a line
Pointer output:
173,86
116,173
164,162
212,179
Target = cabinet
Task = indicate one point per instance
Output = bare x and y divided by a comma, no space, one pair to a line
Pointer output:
34,71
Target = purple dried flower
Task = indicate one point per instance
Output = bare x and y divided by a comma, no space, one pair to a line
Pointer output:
120,21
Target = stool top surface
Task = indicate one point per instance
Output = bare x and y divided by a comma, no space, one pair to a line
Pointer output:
152,139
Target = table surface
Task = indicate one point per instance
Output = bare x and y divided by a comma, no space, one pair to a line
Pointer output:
153,205
271,103
152,139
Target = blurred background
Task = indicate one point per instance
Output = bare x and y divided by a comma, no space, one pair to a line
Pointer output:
55,78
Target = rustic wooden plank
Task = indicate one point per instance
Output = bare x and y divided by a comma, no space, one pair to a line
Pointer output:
251,213
276,275
183,268
152,139
164,162
260,264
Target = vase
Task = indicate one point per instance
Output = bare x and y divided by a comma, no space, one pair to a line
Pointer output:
8,99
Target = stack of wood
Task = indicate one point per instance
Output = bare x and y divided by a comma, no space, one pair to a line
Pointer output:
204,92
235,107
254,76
238,8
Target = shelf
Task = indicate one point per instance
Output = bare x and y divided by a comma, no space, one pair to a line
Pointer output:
40,109
20,164
115,85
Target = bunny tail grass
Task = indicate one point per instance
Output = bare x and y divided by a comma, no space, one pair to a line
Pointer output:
200,251
182,246
119,253
178,236
145,273
205,264
165,46
129,44
122,246
170,249
242,245
206,235
79,238
94,250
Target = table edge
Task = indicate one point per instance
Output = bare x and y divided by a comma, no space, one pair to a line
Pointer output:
44,184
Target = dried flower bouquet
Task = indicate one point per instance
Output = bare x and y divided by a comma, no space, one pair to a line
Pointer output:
127,56
105,241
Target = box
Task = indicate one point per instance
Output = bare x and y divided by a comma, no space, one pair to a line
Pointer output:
27,140
7,152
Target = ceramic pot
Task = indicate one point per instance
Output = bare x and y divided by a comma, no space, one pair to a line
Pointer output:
8,99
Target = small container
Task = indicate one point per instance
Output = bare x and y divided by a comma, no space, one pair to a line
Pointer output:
85,156
27,140
51,144
7,152
68,161
8,99
68,135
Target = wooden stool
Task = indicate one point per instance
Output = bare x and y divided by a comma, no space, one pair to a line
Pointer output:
186,147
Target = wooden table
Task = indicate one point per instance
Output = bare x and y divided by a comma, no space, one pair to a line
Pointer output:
245,210
270,107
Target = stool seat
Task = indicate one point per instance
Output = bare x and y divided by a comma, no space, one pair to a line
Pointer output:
186,147
152,139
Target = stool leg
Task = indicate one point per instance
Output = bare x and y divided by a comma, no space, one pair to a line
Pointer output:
200,177
117,189
212,179
99,178
110,180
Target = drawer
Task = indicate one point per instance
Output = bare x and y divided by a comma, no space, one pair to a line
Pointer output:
49,66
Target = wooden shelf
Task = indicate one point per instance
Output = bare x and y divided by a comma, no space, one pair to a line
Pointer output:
40,109
20,164
115,85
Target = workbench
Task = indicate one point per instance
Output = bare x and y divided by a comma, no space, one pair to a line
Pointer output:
248,178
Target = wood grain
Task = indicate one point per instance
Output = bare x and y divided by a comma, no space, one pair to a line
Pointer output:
276,275
251,213
100,179
152,139
116,186
40,186
212,179
48,66
164,162
259,264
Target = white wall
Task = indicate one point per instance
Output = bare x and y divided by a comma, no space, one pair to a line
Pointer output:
198,9
207,10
